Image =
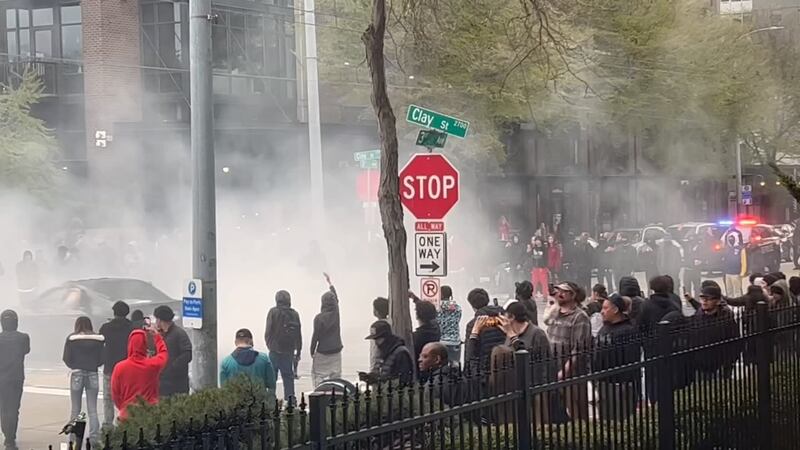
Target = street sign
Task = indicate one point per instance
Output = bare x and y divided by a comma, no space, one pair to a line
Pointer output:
430,254
429,186
747,188
430,290
368,155
438,121
747,201
193,304
369,164
431,138
428,227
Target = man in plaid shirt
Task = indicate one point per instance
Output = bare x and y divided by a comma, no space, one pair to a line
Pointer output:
570,333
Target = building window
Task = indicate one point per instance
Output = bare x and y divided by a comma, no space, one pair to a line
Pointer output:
164,45
71,39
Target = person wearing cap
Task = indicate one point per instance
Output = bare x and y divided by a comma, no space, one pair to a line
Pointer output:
397,362
246,361
380,309
570,333
715,322
617,346
115,332
175,376
13,346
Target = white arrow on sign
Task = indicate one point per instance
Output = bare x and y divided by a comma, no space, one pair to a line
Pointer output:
430,254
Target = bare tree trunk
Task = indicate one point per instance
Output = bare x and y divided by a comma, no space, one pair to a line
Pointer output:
389,192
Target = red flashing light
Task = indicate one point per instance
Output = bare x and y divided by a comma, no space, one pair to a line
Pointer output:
748,222
717,247
756,238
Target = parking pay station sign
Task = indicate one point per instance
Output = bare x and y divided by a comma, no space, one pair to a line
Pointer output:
193,304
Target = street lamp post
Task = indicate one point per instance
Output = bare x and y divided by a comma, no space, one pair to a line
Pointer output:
738,141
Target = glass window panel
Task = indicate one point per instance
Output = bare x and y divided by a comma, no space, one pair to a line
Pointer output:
170,82
43,40
149,56
24,16
220,84
148,13
219,47
11,19
164,11
42,17
11,43
253,21
167,50
151,82
176,11
178,43
237,56
236,20
70,14
24,43
71,47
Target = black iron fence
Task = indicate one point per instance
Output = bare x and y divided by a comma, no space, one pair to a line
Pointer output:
730,383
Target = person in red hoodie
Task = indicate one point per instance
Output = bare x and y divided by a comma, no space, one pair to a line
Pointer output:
138,376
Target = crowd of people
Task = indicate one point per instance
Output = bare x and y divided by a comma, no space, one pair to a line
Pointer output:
149,359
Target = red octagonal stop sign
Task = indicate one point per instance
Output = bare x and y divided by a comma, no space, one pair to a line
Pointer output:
429,186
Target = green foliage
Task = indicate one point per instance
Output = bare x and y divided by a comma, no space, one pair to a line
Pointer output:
214,408
27,147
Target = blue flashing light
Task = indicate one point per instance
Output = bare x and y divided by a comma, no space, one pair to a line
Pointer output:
725,222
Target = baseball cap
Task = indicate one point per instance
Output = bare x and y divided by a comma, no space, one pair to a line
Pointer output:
244,333
711,292
565,287
379,329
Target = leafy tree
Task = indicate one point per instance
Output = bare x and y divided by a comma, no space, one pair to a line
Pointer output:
27,147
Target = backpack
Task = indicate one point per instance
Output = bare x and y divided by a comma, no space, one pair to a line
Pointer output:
288,332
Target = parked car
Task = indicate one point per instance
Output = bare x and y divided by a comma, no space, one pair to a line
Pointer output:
786,232
52,316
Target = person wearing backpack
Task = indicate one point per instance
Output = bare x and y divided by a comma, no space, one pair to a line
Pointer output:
284,340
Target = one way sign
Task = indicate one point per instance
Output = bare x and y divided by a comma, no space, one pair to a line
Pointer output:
430,254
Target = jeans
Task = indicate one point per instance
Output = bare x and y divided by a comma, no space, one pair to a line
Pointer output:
10,399
454,353
284,366
108,401
80,381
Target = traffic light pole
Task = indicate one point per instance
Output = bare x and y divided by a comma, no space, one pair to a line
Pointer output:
204,232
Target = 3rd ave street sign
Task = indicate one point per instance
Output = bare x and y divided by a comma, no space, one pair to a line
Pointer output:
432,119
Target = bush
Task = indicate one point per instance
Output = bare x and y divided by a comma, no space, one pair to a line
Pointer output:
239,402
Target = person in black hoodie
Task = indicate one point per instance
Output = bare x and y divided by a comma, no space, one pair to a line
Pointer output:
629,287
115,332
524,295
428,330
13,346
326,339
396,360
175,376
83,354
487,338
617,346
284,340
662,301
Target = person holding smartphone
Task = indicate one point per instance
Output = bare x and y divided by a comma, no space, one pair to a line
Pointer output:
138,375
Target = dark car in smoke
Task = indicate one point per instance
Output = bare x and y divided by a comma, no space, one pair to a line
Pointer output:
52,316
703,240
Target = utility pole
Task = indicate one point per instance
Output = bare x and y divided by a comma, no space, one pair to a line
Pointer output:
314,129
738,175
204,228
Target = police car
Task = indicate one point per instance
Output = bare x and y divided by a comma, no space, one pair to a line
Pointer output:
702,240
761,242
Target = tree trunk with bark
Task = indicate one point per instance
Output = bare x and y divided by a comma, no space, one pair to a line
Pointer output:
389,191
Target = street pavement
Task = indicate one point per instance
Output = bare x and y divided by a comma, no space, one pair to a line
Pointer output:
46,404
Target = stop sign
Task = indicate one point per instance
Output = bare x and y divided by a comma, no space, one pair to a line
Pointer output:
429,186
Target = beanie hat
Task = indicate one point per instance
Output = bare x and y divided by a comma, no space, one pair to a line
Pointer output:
121,309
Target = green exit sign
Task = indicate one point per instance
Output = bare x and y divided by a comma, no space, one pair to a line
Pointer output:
432,119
